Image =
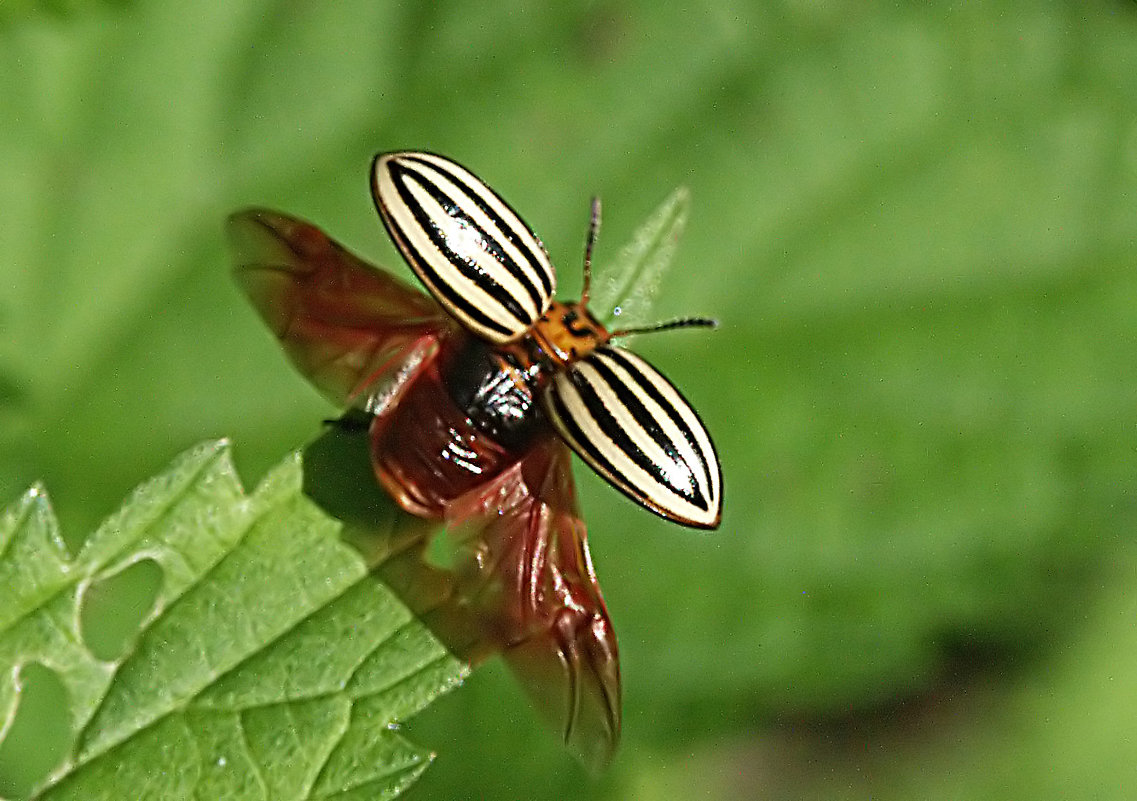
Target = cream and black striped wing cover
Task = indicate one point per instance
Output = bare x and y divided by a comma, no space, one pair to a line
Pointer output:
473,252
634,428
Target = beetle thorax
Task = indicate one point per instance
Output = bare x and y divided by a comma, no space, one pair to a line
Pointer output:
567,332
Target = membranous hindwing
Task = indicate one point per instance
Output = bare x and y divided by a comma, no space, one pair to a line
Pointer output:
358,333
474,253
634,428
451,420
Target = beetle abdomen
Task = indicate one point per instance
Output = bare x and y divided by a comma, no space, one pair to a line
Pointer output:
467,418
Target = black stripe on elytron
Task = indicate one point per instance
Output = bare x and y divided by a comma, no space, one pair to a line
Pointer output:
581,441
644,419
540,269
442,288
612,429
650,388
454,210
487,283
430,276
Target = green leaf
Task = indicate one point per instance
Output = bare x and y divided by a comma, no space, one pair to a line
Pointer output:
626,289
270,664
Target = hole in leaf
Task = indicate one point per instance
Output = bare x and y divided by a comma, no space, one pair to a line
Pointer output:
113,608
40,733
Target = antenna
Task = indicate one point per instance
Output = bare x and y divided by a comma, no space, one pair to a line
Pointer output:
593,231
682,322
590,242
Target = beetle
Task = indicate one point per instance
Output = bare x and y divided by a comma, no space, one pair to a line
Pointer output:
471,398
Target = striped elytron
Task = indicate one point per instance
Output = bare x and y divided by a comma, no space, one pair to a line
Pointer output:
468,402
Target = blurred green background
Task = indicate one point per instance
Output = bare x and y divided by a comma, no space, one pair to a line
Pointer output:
918,228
